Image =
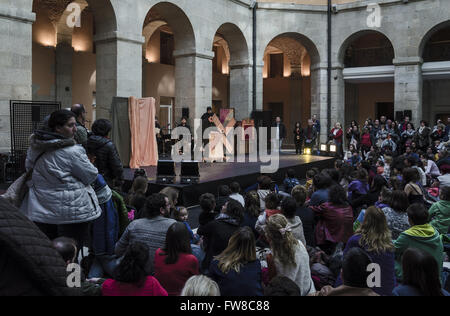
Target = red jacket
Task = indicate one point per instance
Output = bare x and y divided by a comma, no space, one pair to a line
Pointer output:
365,140
174,276
151,287
338,136
335,223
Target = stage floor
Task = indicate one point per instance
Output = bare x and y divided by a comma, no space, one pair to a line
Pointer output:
212,175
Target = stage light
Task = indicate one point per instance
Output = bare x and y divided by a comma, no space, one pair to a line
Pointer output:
307,151
165,173
189,172
324,147
333,148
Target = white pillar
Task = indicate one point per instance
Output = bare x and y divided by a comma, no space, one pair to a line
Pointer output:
241,90
119,69
319,97
193,83
15,64
409,86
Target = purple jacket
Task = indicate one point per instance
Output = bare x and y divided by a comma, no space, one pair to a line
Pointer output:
358,187
335,223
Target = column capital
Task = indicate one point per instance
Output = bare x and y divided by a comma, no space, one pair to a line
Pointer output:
193,53
118,36
319,66
240,64
408,61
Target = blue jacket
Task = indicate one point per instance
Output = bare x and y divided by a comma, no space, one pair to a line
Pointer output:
105,230
246,283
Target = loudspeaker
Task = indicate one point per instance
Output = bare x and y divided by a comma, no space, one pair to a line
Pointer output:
189,172
399,116
185,113
165,173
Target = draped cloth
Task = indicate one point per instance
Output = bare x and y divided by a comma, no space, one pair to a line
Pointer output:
144,147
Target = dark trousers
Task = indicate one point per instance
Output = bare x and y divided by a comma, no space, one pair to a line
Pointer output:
78,232
298,148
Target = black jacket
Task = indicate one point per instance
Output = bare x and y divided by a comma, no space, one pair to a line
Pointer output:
217,234
283,133
108,161
29,265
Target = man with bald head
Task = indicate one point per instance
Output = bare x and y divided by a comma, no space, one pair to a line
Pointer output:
81,136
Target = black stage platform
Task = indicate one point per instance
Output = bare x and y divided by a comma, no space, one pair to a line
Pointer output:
212,175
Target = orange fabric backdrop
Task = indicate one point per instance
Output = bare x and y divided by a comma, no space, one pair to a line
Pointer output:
144,147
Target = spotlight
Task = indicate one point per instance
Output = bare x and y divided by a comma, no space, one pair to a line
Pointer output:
324,147
333,149
307,151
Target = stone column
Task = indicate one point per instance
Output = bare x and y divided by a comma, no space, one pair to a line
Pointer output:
409,86
241,90
119,69
259,87
63,68
193,83
295,106
319,97
15,64
337,96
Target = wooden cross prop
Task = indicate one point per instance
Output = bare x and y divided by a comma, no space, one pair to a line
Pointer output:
225,131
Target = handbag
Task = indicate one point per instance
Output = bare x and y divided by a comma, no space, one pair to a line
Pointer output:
18,190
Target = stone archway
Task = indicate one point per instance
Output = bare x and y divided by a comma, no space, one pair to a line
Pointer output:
291,80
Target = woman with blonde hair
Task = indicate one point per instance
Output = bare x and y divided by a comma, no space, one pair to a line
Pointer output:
200,285
289,257
374,237
236,270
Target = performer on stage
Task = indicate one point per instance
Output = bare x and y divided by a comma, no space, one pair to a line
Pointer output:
281,131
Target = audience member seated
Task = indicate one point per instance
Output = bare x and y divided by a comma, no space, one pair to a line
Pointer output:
289,257
131,277
288,209
252,211
420,275
321,184
236,270
235,193
200,285
281,286
175,263
137,196
305,214
440,212
421,235
208,205
151,229
335,220
396,215
354,276
374,237
217,233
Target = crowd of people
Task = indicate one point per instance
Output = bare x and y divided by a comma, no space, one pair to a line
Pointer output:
387,205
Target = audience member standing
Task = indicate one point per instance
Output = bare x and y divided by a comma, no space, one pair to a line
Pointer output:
61,200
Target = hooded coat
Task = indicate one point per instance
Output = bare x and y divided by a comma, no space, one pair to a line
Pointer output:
440,216
60,189
423,237
29,265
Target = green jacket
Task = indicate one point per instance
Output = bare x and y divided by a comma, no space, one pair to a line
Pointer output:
440,216
423,237
122,211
